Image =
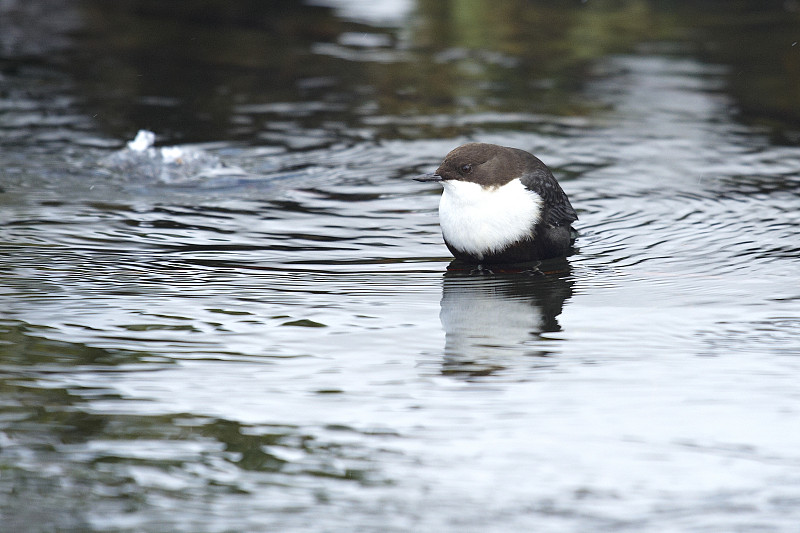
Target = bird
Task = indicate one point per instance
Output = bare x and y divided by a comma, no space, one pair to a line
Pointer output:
501,205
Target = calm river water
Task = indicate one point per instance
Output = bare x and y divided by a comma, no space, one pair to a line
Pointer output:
272,340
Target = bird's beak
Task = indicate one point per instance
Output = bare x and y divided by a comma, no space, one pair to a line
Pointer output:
429,177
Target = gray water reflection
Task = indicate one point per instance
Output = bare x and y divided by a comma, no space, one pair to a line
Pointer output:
289,348
493,320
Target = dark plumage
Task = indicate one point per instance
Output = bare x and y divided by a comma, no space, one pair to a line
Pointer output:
502,205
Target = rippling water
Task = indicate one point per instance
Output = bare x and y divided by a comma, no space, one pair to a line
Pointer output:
285,346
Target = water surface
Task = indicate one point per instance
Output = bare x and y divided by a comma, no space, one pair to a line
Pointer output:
282,344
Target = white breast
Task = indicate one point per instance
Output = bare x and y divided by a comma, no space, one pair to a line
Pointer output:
476,220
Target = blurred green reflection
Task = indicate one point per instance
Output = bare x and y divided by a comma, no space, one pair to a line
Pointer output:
195,71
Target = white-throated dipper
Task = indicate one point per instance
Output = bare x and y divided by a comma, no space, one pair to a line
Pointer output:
501,205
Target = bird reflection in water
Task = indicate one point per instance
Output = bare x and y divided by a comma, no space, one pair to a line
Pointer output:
493,318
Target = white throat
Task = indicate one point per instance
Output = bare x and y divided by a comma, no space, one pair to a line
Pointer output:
479,220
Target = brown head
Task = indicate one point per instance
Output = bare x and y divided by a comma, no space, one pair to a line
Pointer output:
488,165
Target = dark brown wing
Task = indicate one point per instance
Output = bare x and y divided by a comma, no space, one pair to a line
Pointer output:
557,209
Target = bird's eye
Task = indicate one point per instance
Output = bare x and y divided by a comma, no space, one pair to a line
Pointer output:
466,169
